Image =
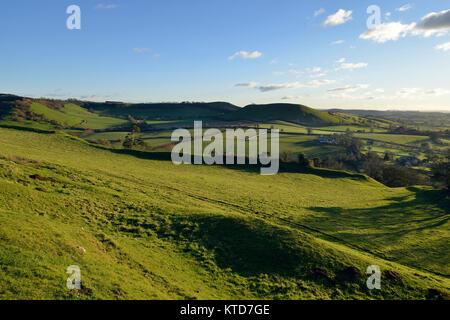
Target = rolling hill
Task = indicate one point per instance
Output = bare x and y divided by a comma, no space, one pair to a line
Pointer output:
163,111
141,228
285,112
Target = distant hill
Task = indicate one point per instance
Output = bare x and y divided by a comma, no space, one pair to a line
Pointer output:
422,119
163,111
98,115
283,111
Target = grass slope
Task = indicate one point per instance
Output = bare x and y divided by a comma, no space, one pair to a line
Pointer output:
164,111
140,228
283,111
72,114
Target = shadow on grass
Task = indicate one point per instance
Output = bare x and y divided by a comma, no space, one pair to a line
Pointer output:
411,228
249,248
29,129
284,167
419,211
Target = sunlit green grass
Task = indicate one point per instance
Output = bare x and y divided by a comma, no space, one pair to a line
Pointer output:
72,114
155,230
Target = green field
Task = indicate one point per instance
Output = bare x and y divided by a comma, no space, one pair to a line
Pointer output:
140,227
393,138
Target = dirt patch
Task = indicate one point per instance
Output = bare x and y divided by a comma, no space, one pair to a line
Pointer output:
438,294
83,291
323,275
352,273
40,178
392,275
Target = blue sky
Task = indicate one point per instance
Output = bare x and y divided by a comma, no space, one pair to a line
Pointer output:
318,53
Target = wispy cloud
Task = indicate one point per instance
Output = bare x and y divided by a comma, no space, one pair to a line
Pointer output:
337,42
319,12
295,85
314,69
340,17
246,55
443,46
272,87
406,7
291,97
420,93
246,84
349,88
141,50
318,75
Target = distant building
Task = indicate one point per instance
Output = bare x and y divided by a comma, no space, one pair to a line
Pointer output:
408,161
326,139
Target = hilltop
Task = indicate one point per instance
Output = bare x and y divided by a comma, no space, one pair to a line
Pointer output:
283,111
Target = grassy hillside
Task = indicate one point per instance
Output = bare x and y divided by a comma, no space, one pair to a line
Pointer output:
141,227
71,114
162,111
282,111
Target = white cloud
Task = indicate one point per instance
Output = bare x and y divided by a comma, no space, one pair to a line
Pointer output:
337,42
443,46
388,32
319,12
340,17
106,6
406,7
349,65
246,55
246,84
433,24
